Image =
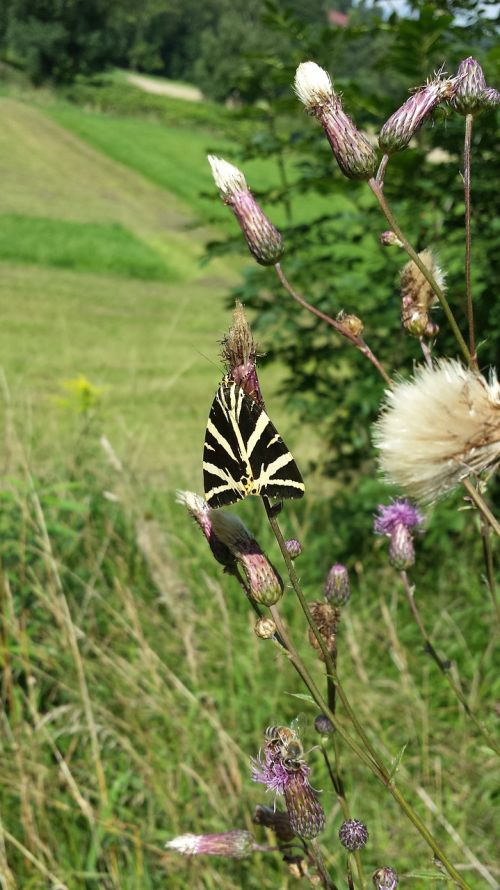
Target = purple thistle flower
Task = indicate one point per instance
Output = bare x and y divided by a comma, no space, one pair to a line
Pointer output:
307,817
400,512
397,521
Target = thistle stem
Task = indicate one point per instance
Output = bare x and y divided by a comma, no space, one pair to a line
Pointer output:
358,342
371,759
488,563
469,120
338,784
443,665
481,505
377,191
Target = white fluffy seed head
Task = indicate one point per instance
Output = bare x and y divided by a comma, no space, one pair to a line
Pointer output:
193,502
313,85
228,178
187,844
439,428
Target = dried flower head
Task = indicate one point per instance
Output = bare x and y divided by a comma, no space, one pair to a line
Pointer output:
239,354
337,585
439,428
471,84
385,878
237,844
199,510
404,123
290,777
326,618
417,296
265,628
355,156
294,548
351,323
353,834
263,238
264,583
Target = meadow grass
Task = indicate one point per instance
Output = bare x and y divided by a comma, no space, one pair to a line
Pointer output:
84,247
134,690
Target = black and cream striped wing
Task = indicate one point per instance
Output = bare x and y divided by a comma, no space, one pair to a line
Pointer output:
243,453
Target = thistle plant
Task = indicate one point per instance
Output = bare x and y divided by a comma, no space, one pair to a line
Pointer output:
438,431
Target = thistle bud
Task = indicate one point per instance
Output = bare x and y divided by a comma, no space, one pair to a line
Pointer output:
401,549
294,548
307,817
390,239
353,834
355,156
326,618
264,583
265,628
385,878
404,123
263,238
351,323
471,84
337,585
323,725
237,844
490,98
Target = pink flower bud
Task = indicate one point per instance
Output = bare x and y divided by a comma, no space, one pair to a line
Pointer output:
353,834
385,878
294,548
404,123
355,156
337,585
471,85
263,238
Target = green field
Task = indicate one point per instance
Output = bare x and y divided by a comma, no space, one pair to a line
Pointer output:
134,690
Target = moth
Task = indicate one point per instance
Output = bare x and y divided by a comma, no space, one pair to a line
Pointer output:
243,453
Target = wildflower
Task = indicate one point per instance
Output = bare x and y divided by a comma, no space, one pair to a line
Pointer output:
326,618
355,156
490,98
397,522
390,239
337,585
323,724
237,844
294,548
263,238
385,878
199,510
417,295
291,779
264,583
239,354
265,628
439,428
404,123
353,834
471,84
